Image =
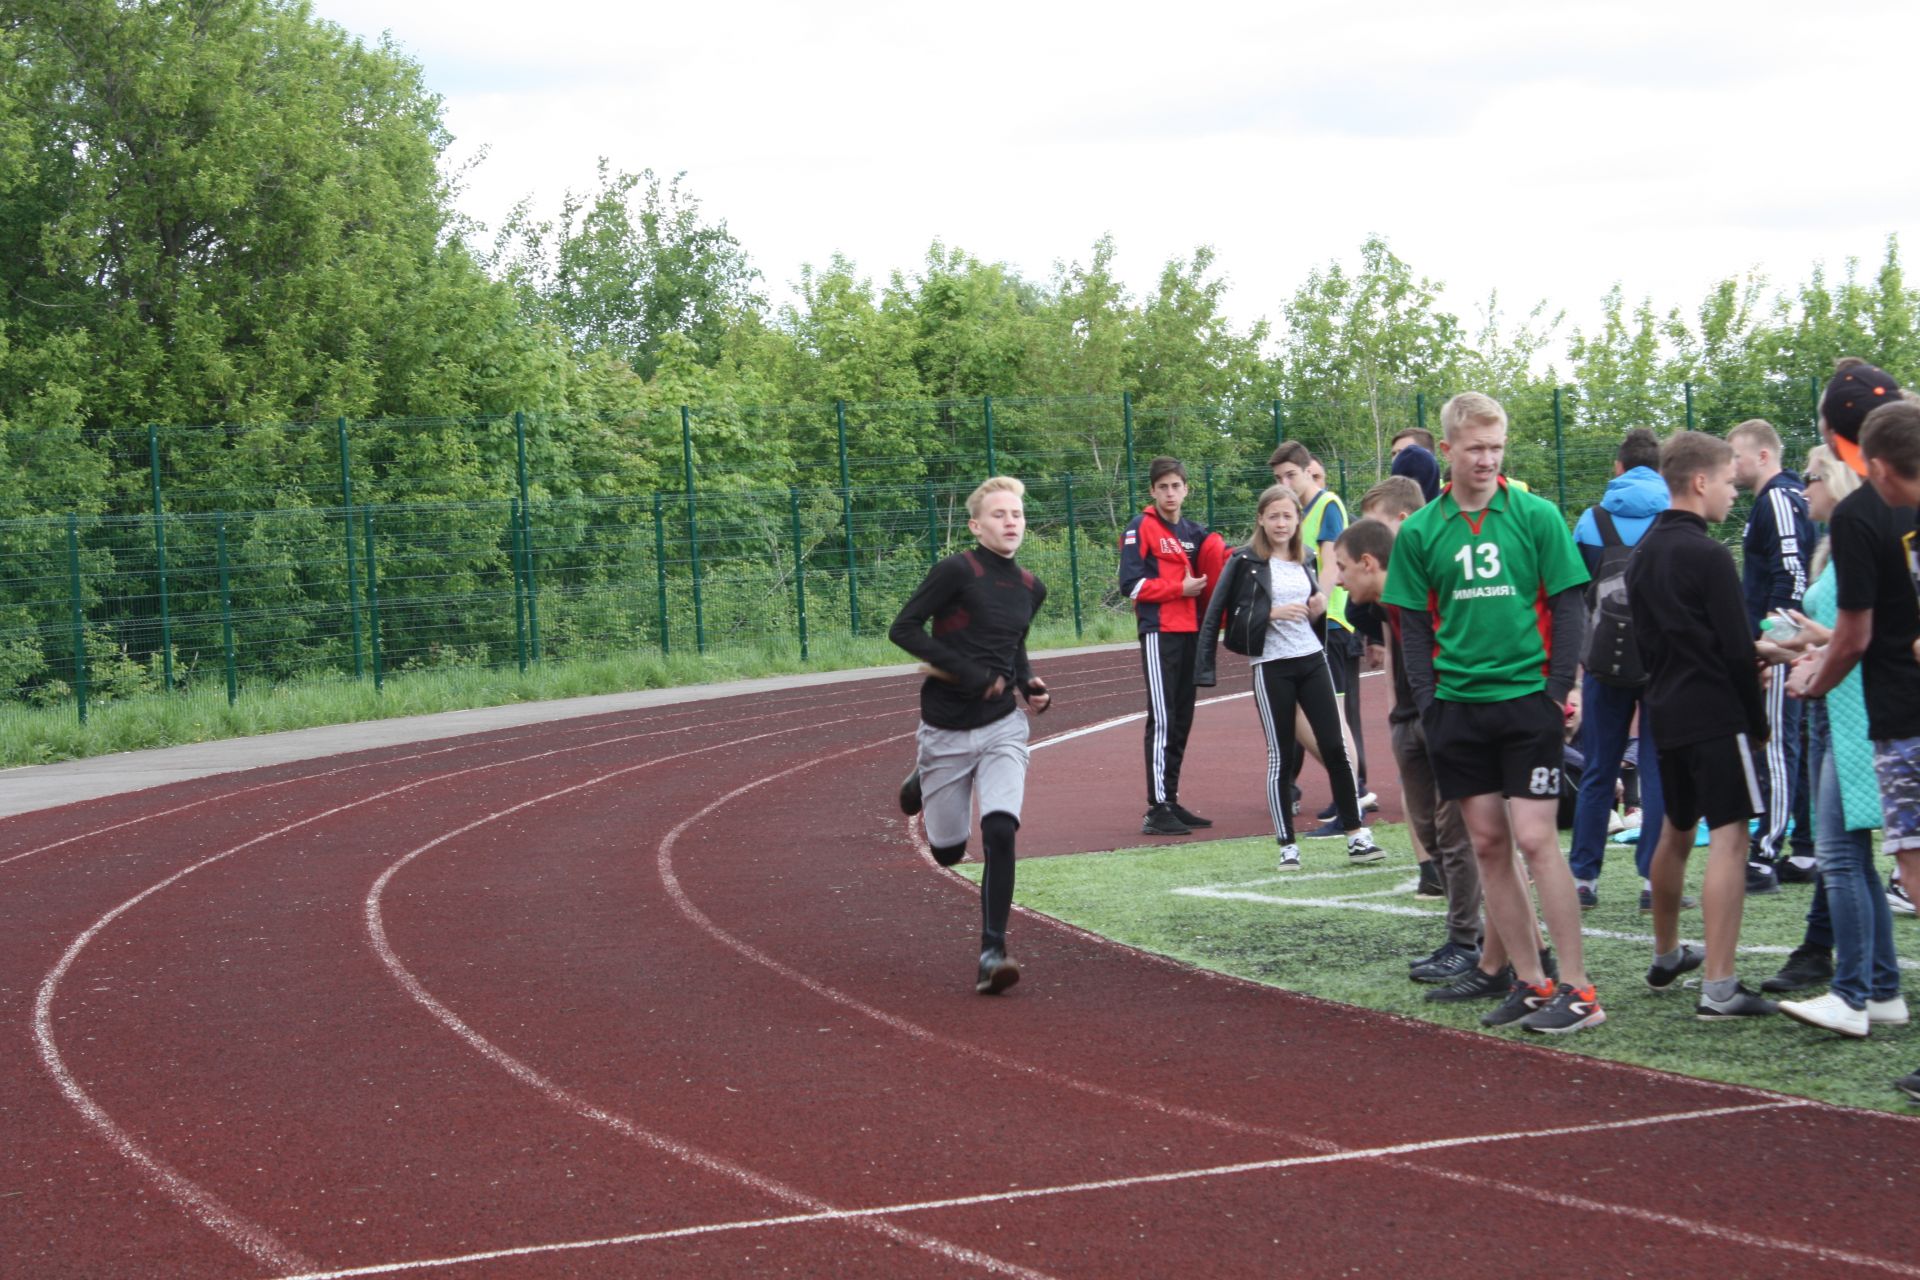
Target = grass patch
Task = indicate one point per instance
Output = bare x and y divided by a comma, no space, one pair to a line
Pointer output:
41,735
1358,956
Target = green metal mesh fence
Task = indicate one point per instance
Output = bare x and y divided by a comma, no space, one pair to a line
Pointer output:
245,556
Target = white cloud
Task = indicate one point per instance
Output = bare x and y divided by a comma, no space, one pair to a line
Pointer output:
1544,150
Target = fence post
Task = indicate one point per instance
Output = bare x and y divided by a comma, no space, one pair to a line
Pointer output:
660,570
79,614
519,595
1279,426
989,405
846,515
1073,555
1689,390
373,600
933,530
526,533
1560,447
799,569
1813,389
346,517
1209,495
226,605
1420,410
1343,479
160,556
1126,406
693,527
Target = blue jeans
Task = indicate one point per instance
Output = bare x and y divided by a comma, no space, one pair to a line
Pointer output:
1606,712
1865,965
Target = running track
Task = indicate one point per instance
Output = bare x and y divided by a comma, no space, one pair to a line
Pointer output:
675,993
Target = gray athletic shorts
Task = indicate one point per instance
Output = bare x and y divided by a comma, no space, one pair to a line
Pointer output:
958,765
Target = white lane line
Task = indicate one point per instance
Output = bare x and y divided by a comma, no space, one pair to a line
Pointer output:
1115,721
1347,902
1391,1155
249,1237
560,1096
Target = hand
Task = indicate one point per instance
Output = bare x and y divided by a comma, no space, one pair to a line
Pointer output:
1193,586
994,690
1772,652
1038,699
1288,613
1376,658
1806,670
1811,632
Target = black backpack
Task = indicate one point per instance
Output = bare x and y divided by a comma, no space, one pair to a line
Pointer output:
1613,653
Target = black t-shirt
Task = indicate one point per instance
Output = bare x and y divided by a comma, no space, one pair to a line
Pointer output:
1874,567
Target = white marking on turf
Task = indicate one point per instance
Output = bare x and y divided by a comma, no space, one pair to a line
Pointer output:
1347,902
1391,1155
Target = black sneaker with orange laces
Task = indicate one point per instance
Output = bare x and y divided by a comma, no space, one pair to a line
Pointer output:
1522,1000
1569,1010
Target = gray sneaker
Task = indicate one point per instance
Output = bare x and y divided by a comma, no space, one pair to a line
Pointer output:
1741,1004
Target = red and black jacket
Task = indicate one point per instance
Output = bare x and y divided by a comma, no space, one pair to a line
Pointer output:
1156,558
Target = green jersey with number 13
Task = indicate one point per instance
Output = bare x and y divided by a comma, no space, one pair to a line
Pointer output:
1485,579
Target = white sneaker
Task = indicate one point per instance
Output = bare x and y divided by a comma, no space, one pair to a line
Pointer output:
1888,1013
1369,802
1361,849
1289,857
1897,899
1830,1013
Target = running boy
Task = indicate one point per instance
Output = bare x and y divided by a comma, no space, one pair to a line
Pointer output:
1488,583
1704,693
1166,564
973,738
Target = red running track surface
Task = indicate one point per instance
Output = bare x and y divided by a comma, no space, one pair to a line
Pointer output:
674,993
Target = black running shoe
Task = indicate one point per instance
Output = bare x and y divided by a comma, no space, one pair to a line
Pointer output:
1790,872
1160,821
997,973
910,794
1188,816
1478,984
1741,1004
1430,957
1521,1000
1761,880
1589,897
1569,1010
1325,831
1448,967
1805,967
1329,813
1660,976
1432,888
1687,901
1910,1085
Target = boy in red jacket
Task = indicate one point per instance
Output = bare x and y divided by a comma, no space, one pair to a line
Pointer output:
1167,564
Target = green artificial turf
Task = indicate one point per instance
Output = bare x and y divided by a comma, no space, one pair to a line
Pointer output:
1358,955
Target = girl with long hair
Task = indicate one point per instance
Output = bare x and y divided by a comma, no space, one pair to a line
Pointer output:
1267,600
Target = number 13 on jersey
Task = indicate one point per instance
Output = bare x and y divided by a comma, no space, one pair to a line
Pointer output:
1488,555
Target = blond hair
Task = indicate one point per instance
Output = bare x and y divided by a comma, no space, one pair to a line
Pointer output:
1840,480
1469,407
995,484
1761,432
1262,544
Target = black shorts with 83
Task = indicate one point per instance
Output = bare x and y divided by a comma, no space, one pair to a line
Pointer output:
1515,747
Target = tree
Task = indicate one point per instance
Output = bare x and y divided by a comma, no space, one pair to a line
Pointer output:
629,265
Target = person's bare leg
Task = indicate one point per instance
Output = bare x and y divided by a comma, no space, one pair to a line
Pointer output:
1510,917
1723,897
1668,876
1908,860
1536,831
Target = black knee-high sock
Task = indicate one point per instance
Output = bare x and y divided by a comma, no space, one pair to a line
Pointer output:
996,886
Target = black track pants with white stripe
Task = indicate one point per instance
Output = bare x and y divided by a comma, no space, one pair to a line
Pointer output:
1777,762
1167,659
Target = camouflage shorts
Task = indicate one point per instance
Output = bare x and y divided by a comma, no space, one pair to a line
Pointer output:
1896,762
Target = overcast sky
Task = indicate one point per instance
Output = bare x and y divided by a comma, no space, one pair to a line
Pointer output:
1546,150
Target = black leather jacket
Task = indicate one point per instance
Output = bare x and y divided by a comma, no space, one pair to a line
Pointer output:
1238,612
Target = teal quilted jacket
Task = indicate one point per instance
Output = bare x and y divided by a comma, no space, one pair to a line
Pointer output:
1847,722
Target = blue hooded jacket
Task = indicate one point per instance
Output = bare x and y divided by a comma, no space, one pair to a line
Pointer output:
1633,498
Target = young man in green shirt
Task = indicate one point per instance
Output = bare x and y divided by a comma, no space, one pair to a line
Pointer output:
1488,579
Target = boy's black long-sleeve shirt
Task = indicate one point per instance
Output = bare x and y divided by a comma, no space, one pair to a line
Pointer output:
1690,619
981,605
